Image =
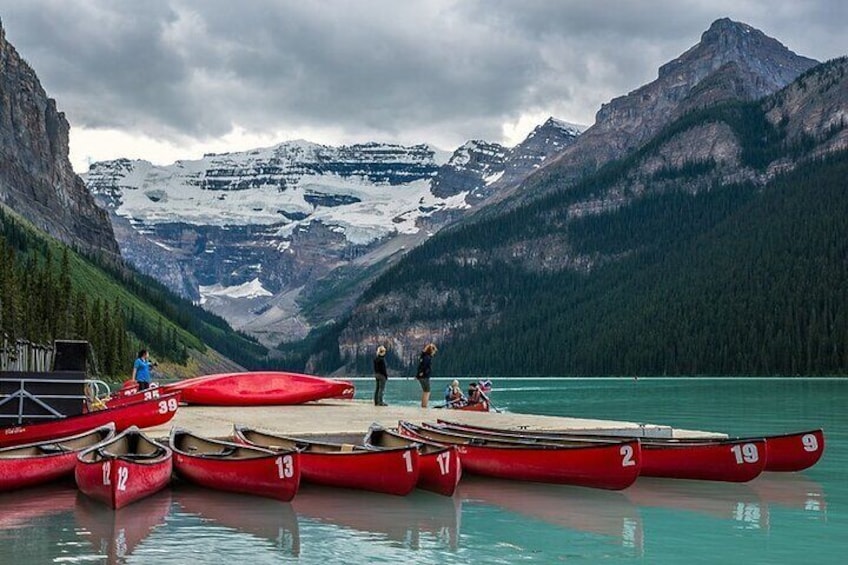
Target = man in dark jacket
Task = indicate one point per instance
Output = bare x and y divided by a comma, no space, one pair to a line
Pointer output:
381,375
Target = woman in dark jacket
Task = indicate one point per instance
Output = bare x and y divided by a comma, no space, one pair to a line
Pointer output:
423,375
381,375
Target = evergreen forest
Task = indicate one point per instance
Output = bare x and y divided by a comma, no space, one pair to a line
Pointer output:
49,291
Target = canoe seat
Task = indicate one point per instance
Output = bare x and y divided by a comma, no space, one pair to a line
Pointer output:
51,448
347,447
224,452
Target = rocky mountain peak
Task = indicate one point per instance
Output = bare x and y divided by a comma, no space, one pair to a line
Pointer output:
36,177
733,61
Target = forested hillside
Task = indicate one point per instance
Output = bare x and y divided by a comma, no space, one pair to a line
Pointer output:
673,260
49,291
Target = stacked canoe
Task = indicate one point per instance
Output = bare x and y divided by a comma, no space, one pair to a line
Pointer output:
256,388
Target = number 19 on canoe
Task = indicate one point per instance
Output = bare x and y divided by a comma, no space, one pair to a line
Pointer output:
746,453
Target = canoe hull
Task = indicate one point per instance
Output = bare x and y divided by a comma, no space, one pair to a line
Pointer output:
18,470
440,471
259,389
389,471
262,473
439,466
612,466
794,452
145,413
120,480
393,471
729,460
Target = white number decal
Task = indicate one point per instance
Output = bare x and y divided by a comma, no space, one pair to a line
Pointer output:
123,475
626,452
746,453
407,456
810,442
444,462
107,468
285,466
151,394
169,405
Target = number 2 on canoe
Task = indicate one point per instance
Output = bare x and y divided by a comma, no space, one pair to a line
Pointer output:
285,466
626,452
746,453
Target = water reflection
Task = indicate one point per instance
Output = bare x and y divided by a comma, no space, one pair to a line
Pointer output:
747,505
21,508
261,517
602,512
728,501
792,490
116,533
407,520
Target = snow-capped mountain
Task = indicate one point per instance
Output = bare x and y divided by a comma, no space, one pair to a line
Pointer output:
245,233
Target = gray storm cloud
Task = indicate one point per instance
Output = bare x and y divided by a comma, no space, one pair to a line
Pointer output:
179,69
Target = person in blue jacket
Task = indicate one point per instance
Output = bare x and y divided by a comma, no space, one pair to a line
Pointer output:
141,369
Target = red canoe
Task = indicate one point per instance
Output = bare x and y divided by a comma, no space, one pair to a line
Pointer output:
130,396
476,407
440,467
794,452
144,414
129,467
613,465
731,460
233,467
45,461
391,471
259,389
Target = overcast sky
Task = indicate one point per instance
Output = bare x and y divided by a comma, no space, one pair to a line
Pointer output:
171,79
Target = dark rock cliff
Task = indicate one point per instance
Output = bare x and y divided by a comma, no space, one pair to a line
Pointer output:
36,177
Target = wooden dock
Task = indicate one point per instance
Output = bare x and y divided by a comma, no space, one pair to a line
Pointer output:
337,416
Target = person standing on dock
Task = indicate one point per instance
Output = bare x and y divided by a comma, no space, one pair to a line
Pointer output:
141,370
381,375
423,374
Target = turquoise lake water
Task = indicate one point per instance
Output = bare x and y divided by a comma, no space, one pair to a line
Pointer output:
779,518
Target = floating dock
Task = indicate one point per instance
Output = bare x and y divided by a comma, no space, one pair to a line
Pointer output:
342,416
